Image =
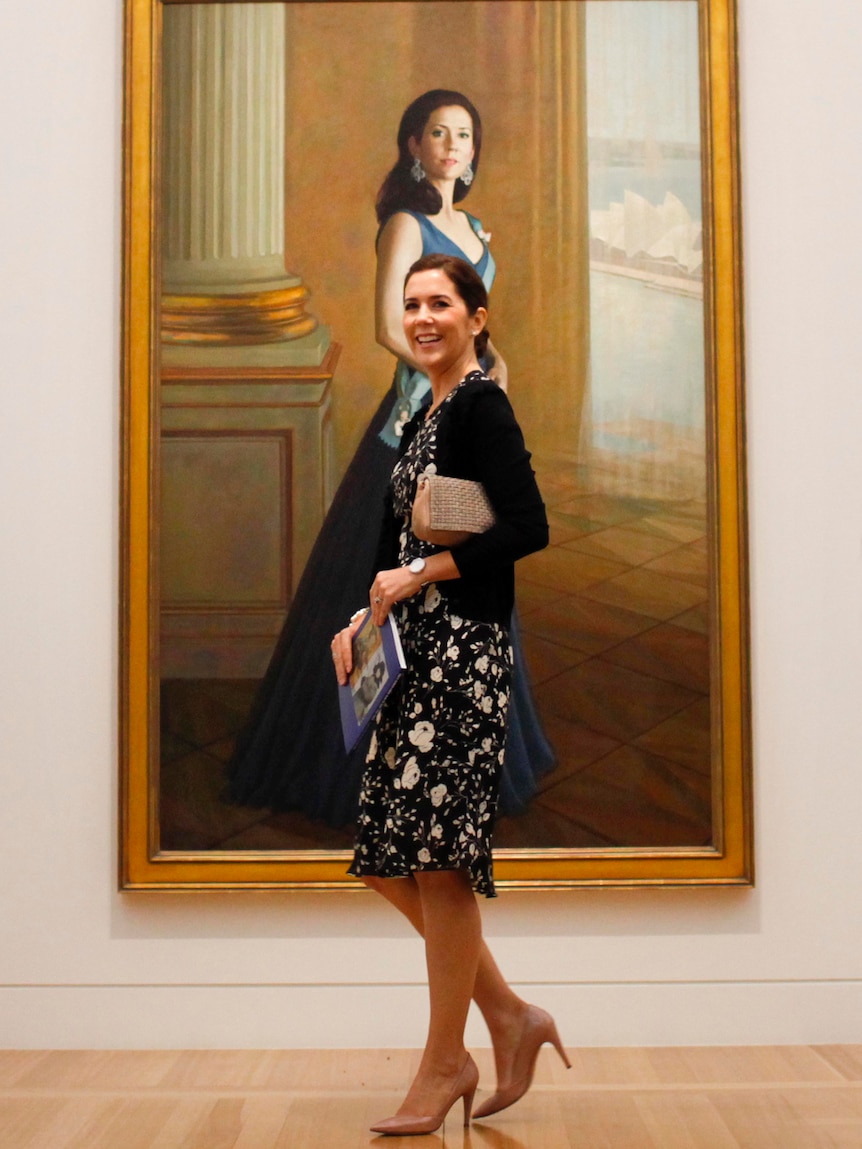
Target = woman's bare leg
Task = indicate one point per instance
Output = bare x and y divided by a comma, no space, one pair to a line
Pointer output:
453,937
499,1005
497,1001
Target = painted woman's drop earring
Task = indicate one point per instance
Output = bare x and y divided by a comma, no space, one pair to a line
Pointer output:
418,172
467,175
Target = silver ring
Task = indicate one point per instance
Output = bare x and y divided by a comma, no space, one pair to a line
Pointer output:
378,599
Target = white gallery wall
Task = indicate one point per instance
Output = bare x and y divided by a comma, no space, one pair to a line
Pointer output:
82,965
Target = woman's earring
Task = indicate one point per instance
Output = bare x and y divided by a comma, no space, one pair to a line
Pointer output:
418,172
467,175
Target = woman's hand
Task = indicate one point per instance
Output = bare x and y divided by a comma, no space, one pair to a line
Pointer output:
342,647
390,587
497,370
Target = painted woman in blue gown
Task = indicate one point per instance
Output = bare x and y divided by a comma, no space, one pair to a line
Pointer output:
290,754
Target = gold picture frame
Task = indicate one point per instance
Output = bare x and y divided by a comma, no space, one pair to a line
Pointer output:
727,859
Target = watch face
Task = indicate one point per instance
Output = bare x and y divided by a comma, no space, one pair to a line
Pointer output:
417,566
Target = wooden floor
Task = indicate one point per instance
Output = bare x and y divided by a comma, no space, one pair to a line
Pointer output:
785,1097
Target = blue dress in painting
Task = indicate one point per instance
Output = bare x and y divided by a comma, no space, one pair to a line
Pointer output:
290,754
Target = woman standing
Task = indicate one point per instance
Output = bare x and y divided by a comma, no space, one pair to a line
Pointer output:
290,754
430,784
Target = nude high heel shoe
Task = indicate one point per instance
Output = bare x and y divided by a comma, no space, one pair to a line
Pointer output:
465,1086
538,1028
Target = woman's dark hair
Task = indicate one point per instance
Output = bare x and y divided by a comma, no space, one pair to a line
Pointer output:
399,190
467,282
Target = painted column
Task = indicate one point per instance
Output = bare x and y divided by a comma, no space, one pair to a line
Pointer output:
246,371
224,276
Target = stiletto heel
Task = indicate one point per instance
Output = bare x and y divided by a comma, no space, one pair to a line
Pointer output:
465,1086
538,1028
558,1045
468,1102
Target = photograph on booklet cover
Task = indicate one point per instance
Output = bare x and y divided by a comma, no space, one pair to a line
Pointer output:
377,663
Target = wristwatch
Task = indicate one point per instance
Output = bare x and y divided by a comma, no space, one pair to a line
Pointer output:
417,566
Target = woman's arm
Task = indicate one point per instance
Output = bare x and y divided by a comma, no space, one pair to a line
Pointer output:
398,246
493,444
393,583
391,586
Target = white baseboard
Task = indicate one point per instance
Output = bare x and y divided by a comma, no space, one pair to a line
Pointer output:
332,1017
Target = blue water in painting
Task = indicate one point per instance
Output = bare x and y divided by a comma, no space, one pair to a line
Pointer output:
609,182
647,358
646,344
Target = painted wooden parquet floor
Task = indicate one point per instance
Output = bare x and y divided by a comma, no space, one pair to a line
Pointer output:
614,625
777,1097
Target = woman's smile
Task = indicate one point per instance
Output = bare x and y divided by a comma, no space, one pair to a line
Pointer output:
437,323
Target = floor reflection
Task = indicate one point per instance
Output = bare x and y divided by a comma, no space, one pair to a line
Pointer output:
487,1137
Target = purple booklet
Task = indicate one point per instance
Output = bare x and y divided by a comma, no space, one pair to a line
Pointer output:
378,660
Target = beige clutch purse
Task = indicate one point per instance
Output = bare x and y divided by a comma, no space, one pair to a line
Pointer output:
447,511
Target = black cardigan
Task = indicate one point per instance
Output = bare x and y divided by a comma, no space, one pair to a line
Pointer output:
479,438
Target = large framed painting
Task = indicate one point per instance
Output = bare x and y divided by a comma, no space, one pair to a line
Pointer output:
263,399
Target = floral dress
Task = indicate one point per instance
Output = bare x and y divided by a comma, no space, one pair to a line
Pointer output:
429,789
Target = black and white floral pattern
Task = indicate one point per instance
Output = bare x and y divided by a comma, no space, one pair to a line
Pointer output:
430,784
